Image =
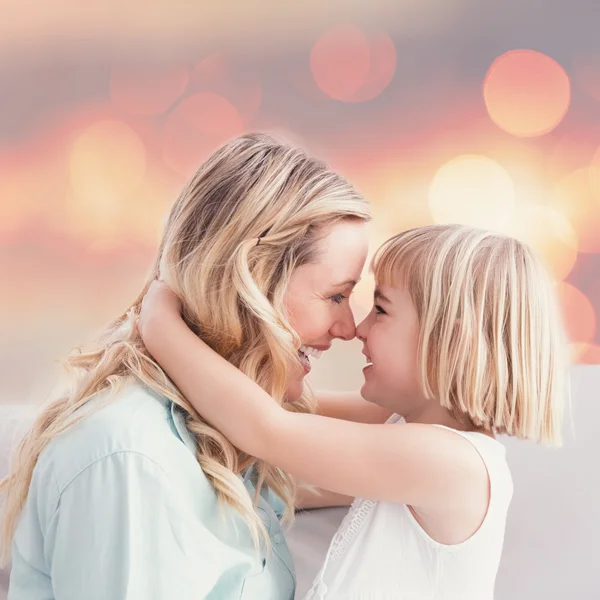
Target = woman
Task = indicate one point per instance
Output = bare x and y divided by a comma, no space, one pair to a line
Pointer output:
120,489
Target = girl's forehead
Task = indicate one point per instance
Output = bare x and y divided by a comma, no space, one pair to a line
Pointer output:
395,284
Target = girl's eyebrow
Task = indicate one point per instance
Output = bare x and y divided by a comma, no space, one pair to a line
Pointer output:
379,296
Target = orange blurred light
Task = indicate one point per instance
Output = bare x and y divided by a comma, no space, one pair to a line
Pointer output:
595,174
149,205
526,93
195,128
33,183
577,198
549,234
573,150
577,352
399,204
473,190
349,67
586,71
147,90
240,86
107,163
340,61
213,71
382,68
590,354
578,314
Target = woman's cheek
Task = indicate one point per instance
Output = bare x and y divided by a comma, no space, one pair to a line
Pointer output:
315,327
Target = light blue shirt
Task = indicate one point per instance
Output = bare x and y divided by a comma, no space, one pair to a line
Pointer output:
119,508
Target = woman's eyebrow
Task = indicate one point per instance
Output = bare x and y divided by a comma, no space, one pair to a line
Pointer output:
352,282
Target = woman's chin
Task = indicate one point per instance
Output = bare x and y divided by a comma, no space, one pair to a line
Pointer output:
295,391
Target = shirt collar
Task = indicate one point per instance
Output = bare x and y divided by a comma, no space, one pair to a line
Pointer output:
269,516
178,416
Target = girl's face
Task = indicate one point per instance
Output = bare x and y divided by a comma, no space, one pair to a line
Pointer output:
390,337
317,296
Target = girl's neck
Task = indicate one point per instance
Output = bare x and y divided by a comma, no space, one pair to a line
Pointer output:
435,414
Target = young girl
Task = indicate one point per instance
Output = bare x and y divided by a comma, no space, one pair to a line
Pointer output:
464,340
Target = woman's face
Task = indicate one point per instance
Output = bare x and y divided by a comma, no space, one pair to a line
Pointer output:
317,298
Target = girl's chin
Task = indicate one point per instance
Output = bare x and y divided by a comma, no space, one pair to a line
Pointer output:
365,392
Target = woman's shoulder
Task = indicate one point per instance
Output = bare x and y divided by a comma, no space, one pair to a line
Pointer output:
135,420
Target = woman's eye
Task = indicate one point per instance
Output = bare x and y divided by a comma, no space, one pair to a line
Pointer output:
338,298
379,310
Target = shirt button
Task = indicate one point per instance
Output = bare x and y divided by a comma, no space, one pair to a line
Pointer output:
278,538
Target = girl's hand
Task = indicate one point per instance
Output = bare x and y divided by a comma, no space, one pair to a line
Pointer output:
160,306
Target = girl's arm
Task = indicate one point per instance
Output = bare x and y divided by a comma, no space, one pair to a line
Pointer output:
319,498
350,406
413,464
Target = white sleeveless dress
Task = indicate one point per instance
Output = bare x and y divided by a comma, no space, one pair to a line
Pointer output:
380,552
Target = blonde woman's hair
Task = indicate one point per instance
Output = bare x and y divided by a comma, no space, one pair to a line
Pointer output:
492,346
232,289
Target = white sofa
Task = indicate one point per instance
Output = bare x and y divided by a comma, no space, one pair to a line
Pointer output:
554,524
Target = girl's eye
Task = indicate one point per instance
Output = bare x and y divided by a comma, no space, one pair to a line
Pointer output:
338,298
379,310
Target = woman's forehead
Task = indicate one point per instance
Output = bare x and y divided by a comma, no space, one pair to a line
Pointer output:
344,246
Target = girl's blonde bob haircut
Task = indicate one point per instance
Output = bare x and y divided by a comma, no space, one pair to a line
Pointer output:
491,346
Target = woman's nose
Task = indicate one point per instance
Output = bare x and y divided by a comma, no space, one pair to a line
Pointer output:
345,327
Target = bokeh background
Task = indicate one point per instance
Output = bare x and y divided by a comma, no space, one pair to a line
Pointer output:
469,111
